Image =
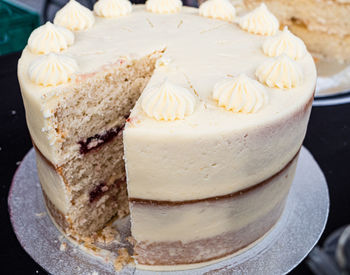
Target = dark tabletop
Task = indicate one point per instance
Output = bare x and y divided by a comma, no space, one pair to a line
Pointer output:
328,139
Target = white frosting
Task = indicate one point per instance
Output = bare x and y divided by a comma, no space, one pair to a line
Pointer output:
219,9
53,185
74,16
163,6
285,43
50,38
211,52
112,8
167,101
207,219
240,94
260,21
281,72
52,69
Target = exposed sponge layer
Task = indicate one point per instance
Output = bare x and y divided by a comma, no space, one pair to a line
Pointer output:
100,102
89,119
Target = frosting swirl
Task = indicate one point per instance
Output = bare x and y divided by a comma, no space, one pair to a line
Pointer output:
168,101
50,38
112,8
74,16
240,94
259,21
280,72
219,9
52,69
285,43
163,6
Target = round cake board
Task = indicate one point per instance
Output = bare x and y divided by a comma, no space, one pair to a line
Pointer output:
283,248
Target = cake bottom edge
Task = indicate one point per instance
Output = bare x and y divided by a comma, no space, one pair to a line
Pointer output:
240,241
214,260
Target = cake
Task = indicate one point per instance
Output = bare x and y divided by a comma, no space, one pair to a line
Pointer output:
189,119
323,25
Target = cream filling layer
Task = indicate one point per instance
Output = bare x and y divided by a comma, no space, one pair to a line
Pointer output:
207,219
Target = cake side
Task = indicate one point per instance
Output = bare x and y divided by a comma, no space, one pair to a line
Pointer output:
177,156
206,162
219,226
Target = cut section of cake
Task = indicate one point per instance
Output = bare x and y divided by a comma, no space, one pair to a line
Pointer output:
175,115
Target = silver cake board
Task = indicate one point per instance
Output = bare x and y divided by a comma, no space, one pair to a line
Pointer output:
283,248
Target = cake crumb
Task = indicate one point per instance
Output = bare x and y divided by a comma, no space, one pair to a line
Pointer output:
87,239
131,240
92,247
41,214
122,259
63,246
108,235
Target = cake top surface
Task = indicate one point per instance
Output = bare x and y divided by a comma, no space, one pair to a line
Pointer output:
199,52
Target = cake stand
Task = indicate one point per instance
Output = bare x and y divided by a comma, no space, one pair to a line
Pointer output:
283,248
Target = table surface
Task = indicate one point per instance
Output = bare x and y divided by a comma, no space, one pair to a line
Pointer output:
327,138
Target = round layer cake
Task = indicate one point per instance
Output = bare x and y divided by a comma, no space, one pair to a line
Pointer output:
199,113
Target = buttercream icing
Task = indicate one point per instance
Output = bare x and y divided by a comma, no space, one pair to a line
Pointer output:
74,16
281,72
50,38
240,94
285,43
259,21
163,6
52,69
112,8
219,9
167,101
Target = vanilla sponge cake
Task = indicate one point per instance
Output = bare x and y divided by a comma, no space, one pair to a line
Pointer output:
191,119
324,25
